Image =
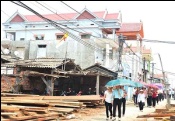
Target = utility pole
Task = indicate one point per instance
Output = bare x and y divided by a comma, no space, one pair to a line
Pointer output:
165,83
152,79
144,69
120,51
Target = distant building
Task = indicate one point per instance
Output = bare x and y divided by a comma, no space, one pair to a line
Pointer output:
31,37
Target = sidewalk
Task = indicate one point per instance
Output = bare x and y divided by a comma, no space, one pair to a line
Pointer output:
130,115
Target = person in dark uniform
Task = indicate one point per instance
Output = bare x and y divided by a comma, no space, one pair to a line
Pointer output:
69,92
89,91
124,99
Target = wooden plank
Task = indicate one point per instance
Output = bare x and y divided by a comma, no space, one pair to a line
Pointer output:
155,115
25,102
8,108
16,95
7,113
75,98
22,118
64,110
5,119
65,105
160,110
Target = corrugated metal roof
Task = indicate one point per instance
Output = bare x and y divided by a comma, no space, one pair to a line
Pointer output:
8,58
39,63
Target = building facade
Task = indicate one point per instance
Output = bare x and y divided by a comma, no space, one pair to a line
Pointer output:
31,37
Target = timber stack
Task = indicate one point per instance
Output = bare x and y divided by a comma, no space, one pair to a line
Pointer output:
19,107
162,114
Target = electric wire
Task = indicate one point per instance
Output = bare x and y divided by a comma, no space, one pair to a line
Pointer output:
53,23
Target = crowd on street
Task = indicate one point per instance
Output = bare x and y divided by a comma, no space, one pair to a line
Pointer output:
115,97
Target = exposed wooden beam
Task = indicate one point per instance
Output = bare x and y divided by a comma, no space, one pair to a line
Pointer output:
46,83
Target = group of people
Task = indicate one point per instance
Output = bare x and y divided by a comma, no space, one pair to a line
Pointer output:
171,93
115,97
152,96
71,92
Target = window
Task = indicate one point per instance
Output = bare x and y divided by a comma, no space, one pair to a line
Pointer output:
41,52
59,36
21,39
41,46
39,37
85,36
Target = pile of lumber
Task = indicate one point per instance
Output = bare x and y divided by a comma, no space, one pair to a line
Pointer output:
34,107
162,114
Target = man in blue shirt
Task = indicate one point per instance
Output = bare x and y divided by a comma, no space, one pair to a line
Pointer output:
117,95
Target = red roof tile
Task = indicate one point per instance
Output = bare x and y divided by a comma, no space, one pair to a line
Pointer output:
130,27
159,75
111,16
68,16
134,49
99,14
54,17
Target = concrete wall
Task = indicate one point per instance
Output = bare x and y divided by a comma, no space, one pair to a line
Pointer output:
83,55
13,45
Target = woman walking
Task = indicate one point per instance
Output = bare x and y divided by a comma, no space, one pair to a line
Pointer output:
108,102
154,97
150,97
141,100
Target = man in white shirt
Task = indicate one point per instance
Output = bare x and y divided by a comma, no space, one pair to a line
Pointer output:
117,95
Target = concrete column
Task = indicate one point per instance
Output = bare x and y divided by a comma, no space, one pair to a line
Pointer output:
98,84
133,68
107,55
114,34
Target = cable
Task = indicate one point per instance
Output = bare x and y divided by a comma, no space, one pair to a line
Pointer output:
53,23
17,23
158,41
72,24
65,19
83,15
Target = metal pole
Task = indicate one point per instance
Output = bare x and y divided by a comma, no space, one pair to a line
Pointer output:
152,72
144,69
165,83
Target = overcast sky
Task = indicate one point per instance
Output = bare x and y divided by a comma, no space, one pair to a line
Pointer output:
157,17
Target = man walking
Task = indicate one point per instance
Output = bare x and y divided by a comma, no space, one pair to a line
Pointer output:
117,95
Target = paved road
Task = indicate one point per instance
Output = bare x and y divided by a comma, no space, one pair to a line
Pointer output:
131,113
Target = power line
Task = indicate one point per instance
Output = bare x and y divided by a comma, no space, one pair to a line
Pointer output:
66,20
72,24
53,23
158,41
83,15
58,27
17,23
171,73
